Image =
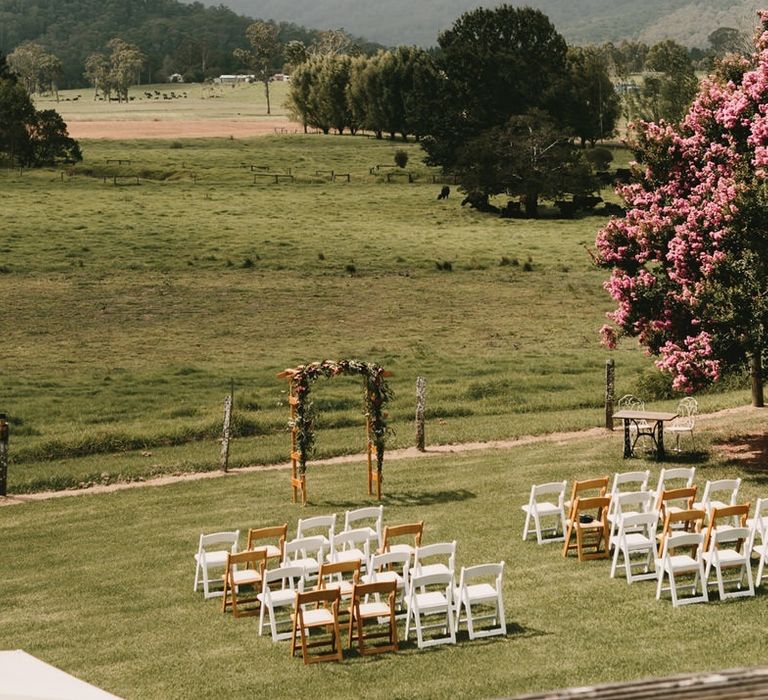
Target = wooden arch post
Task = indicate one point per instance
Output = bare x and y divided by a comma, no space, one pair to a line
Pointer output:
298,382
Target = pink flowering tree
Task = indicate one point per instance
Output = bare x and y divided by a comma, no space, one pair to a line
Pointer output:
689,262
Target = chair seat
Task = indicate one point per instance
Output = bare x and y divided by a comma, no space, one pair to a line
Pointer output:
374,609
317,618
760,549
280,598
310,565
680,563
407,548
215,558
637,539
542,508
431,600
728,557
348,555
344,587
246,577
385,576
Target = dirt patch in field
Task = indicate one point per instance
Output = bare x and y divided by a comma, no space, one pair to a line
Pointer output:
180,129
748,451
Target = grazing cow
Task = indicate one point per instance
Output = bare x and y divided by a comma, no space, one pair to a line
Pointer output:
612,209
444,192
511,211
567,208
583,201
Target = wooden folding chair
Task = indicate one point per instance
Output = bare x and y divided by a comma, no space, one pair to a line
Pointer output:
253,563
258,535
376,610
392,532
585,489
675,501
725,518
342,575
590,530
323,618
681,520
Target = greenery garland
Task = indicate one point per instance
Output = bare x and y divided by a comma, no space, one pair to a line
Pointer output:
376,395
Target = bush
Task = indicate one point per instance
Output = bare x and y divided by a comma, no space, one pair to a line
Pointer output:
401,158
600,157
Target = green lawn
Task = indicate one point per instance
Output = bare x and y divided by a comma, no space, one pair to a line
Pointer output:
101,586
129,308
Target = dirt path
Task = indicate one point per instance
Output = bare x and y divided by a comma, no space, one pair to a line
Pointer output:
404,453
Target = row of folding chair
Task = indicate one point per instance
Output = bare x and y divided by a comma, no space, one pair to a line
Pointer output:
627,523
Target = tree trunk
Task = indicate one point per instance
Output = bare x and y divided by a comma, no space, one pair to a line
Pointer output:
756,372
531,204
266,92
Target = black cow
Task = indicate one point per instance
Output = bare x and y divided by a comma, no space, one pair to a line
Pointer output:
444,192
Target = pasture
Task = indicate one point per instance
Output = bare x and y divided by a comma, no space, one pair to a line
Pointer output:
130,307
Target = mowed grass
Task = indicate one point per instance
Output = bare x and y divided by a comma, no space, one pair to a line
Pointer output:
101,586
129,308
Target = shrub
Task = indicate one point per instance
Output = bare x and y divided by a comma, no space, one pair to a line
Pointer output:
401,158
600,157
351,269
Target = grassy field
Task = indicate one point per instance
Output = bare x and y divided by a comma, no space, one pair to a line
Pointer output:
130,307
101,586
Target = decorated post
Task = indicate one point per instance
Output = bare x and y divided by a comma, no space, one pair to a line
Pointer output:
376,394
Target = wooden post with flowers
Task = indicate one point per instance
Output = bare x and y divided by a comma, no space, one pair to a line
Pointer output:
376,395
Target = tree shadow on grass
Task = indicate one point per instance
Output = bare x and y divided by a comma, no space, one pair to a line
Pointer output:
749,453
409,498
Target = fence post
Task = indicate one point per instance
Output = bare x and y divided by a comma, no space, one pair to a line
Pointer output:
4,430
610,372
227,431
421,401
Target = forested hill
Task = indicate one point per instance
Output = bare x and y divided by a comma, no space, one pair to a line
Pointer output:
418,22
188,38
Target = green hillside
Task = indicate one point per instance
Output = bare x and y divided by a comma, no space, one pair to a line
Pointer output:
580,21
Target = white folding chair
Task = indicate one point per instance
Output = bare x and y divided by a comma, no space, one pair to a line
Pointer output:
679,477
637,480
431,597
211,555
352,545
719,494
278,591
759,521
390,566
674,565
760,549
431,552
687,410
636,535
550,508
730,549
318,526
306,552
374,515
481,586
632,503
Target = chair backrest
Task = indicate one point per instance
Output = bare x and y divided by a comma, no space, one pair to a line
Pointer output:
219,538
552,488
493,572
641,501
686,474
337,570
684,497
580,489
601,504
392,532
255,559
319,595
261,534
738,535
288,576
350,539
721,516
389,561
302,548
436,579
687,409
692,520
362,590
727,491
373,514
638,479
308,527
645,523
680,540
631,403
440,549
760,521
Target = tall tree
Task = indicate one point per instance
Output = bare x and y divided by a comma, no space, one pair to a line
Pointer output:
689,263
592,106
264,54
37,69
494,64
97,73
125,62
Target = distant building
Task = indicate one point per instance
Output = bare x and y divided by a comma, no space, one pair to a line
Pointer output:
232,79
280,77
175,78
